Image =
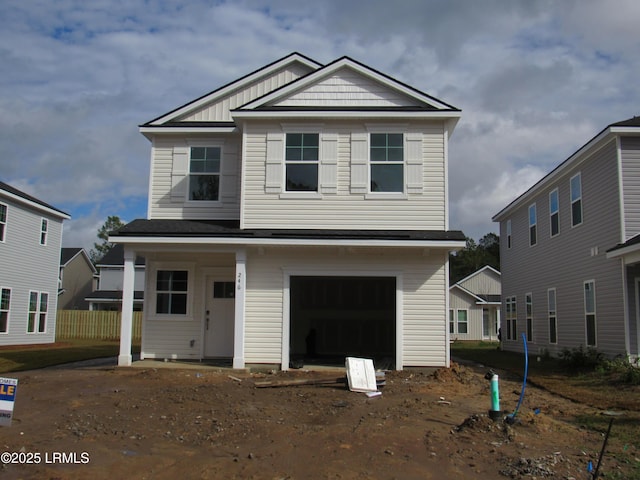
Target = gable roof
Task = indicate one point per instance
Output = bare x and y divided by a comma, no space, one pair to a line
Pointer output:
293,58
488,268
481,299
115,258
270,99
629,126
26,199
69,253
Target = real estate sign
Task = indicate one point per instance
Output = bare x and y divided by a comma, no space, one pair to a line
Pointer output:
8,389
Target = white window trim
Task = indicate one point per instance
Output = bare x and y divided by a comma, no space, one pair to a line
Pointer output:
44,231
288,128
571,201
6,221
218,143
9,310
534,225
555,315
38,312
551,234
594,313
388,129
528,302
189,267
457,321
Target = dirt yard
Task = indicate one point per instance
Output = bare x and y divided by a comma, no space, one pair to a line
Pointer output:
107,423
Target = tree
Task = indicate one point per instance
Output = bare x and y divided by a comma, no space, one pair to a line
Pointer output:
474,256
112,223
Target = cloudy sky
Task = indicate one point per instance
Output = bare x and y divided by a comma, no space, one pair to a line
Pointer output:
535,80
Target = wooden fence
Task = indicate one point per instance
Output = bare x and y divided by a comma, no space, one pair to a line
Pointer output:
94,325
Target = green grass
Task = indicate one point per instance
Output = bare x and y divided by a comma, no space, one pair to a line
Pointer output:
14,359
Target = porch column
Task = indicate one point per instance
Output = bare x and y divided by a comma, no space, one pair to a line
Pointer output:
126,325
238,334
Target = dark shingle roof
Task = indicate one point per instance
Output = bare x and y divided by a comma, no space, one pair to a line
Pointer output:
199,228
26,196
115,257
68,253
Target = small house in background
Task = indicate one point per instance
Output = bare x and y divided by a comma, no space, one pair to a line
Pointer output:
77,279
474,306
108,292
30,241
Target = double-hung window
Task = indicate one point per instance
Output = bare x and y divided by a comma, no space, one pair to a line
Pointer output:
3,221
204,173
553,316
576,200
511,314
5,308
590,312
458,321
529,312
554,213
301,161
533,225
508,233
38,307
44,228
171,292
386,155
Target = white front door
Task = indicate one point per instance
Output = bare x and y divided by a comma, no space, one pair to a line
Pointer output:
219,317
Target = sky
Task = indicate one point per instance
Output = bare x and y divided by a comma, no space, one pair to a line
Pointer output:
535,81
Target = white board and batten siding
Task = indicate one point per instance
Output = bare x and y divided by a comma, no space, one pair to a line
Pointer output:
219,110
29,266
168,198
422,301
484,282
343,200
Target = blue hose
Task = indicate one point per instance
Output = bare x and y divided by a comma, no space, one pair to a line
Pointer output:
524,383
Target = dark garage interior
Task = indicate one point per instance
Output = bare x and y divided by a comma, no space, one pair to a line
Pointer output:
333,317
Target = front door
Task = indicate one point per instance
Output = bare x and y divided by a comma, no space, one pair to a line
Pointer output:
219,318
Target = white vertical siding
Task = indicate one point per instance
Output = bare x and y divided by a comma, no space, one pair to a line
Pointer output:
350,206
29,266
219,110
486,282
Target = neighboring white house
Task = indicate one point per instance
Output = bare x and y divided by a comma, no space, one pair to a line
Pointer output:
30,241
298,213
474,306
569,252
108,292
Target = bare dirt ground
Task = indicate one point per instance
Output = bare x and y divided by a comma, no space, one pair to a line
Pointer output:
108,423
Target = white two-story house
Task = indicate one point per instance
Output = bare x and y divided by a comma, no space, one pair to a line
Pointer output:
298,213
30,241
569,252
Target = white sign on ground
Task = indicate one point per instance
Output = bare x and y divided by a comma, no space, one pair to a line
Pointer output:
361,374
8,388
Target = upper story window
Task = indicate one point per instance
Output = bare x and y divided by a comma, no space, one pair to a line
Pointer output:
204,173
508,233
301,160
554,213
44,227
3,221
171,291
533,223
576,200
387,162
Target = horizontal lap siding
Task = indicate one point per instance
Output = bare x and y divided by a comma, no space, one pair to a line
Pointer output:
161,203
566,262
423,300
28,266
344,209
631,185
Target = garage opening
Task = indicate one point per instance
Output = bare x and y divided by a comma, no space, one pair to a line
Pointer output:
335,317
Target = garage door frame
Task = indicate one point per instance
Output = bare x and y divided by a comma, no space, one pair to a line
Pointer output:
315,272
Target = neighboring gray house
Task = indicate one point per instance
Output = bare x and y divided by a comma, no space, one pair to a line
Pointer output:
300,211
108,292
77,278
474,306
568,251
30,240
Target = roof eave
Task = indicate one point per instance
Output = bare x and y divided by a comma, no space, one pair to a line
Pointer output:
270,114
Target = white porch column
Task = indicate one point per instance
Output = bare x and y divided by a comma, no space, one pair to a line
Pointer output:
124,360
241,283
